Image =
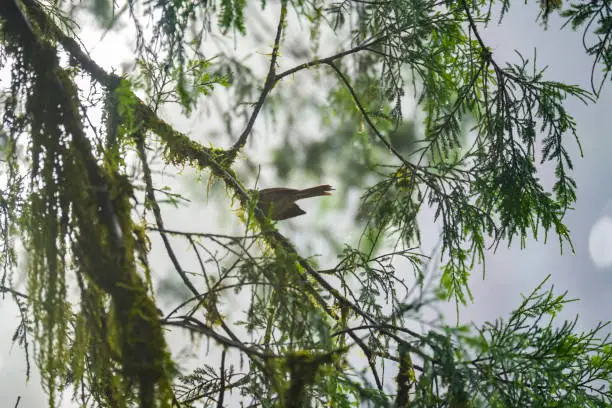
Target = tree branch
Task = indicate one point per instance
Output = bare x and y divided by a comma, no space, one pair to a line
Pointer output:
366,116
194,325
140,145
268,85
327,60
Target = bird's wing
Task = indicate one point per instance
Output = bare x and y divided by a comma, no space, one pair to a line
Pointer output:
292,211
275,193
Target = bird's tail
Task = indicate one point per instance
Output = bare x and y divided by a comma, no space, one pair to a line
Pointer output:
324,189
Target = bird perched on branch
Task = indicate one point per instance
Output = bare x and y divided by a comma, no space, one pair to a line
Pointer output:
279,203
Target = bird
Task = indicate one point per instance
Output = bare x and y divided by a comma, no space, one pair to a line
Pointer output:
279,202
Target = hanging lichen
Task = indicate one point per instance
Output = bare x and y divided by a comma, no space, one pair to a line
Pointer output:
77,224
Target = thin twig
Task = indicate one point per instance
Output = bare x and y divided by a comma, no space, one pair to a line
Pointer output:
367,118
203,234
326,60
194,325
140,144
268,85
222,381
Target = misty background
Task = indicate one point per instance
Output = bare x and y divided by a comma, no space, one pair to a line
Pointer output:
585,274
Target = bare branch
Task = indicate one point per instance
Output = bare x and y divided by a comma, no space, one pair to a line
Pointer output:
268,85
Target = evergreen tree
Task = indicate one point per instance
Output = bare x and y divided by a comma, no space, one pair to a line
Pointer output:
82,146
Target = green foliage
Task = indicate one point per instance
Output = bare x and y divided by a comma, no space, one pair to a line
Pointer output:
596,17
295,335
232,15
525,361
530,347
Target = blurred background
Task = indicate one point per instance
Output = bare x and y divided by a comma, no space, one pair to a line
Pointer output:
279,142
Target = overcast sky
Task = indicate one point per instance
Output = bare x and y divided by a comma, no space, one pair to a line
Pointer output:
509,271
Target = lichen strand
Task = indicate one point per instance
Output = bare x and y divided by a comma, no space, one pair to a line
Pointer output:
70,203
76,201
46,234
135,327
90,350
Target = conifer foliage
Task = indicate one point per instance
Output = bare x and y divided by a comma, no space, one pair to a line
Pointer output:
81,203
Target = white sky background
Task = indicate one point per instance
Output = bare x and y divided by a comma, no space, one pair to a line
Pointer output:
510,272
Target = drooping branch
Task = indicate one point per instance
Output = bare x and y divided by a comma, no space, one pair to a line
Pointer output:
99,218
